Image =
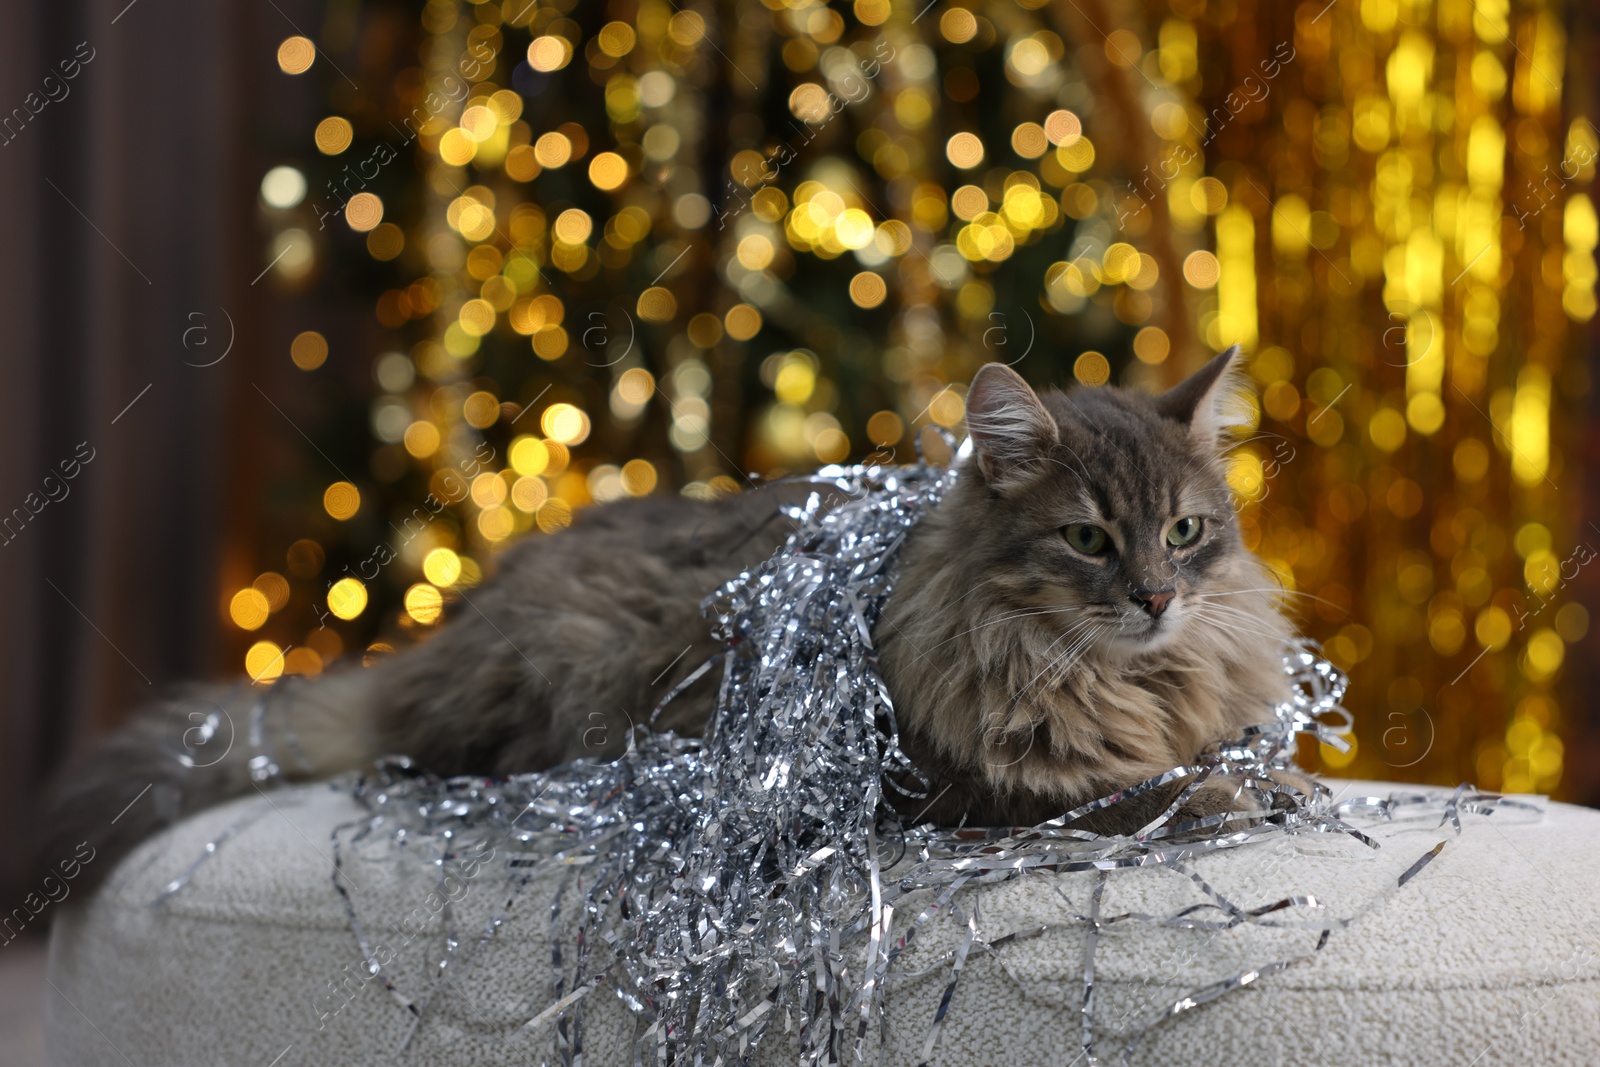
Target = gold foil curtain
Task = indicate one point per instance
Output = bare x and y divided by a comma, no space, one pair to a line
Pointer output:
645,247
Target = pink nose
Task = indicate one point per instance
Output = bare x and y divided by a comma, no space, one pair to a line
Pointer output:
1154,603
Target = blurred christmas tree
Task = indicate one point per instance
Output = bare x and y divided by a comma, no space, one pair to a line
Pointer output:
631,248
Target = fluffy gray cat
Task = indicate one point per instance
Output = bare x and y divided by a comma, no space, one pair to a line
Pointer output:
1077,615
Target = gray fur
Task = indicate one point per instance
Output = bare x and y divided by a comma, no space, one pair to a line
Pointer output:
1026,676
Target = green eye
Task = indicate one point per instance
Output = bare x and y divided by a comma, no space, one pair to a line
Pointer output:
1185,531
1090,540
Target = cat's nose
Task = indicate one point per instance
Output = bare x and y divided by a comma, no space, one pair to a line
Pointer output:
1154,602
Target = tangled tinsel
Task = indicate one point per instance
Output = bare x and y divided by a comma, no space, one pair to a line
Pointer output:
723,883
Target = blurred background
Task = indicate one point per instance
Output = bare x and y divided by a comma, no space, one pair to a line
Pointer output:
273,273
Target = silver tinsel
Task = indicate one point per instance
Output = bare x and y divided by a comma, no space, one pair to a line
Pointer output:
739,881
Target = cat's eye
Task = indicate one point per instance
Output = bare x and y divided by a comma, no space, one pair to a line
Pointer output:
1090,540
1186,531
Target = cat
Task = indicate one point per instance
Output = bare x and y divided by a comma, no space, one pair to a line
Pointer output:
1076,615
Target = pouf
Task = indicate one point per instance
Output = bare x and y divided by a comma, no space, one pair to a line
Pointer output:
1488,953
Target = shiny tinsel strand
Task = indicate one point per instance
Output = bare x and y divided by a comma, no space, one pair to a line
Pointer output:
722,885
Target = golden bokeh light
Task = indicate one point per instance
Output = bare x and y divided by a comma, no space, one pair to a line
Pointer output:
867,290
424,603
573,226
347,598
1201,269
249,609
964,150
1092,368
743,322
657,304
273,586
616,39
608,171
548,53
552,150
264,661
363,211
333,135
565,424
341,500
817,285
1063,128
308,350
638,477
636,386
296,54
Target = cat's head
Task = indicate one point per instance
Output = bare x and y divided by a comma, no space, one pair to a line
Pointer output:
1106,504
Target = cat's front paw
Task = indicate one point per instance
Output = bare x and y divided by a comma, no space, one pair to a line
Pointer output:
1217,796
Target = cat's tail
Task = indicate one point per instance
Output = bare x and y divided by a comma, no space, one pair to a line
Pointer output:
198,748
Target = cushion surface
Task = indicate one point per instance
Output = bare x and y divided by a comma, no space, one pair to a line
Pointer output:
1489,954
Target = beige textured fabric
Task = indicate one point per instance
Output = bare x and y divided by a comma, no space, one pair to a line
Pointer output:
1491,954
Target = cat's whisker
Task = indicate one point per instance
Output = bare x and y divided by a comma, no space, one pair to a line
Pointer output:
1276,591
1071,655
1025,613
1233,621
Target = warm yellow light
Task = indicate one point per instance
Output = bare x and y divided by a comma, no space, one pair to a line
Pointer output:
308,350
885,428
496,523
1151,345
1029,141
608,171
755,252
565,423
964,150
1092,368
441,566
831,446
549,53
333,135
479,123
529,456
638,477
347,598
796,380
488,490
868,290
968,202
456,148
574,226
296,54
481,410
528,493
1063,127
363,212
424,603
657,304
958,25
273,586
249,609
1200,269
264,661
476,316
743,322
341,500
616,39
552,150
635,386
1492,627
422,439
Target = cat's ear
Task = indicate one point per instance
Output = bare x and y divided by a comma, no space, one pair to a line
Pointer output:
1008,424
1210,400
